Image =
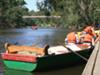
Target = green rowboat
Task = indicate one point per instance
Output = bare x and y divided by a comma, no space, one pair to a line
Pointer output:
32,63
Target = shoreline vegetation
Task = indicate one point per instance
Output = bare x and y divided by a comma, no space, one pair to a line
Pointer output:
42,27
73,14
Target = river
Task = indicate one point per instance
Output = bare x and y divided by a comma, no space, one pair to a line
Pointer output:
39,37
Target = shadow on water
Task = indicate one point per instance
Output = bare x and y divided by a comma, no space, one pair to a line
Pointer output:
15,72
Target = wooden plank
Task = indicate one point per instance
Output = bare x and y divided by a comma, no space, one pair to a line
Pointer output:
41,16
19,57
97,65
91,62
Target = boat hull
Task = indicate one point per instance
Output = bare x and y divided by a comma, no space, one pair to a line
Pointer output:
19,61
48,62
18,65
62,60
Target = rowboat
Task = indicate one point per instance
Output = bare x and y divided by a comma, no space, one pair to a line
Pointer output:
50,61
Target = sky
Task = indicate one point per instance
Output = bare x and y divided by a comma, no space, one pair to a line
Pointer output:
31,4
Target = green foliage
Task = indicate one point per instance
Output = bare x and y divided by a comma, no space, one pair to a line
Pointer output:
11,12
72,12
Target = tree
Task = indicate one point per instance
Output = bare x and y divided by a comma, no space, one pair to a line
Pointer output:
11,12
73,12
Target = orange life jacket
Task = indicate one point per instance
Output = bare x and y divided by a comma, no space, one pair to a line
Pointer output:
88,38
89,30
71,37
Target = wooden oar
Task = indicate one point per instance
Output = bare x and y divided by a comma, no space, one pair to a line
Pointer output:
84,58
79,55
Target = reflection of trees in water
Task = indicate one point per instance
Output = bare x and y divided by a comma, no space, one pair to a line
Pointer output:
47,40
56,39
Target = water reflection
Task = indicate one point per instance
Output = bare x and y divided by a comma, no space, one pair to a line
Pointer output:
76,70
39,37
15,72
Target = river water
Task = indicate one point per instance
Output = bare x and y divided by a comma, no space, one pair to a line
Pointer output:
39,37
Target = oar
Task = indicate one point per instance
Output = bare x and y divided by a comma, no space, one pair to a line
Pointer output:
79,55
